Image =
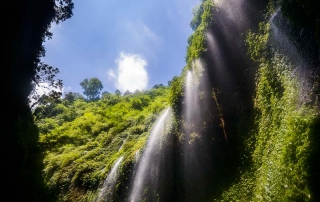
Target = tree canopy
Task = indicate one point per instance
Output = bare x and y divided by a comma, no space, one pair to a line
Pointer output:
92,88
118,92
74,133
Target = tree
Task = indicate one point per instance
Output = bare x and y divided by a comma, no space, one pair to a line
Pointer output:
45,74
29,27
136,92
196,20
92,88
105,93
118,92
72,96
127,92
158,86
136,104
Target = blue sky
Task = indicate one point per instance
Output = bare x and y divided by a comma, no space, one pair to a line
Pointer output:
128,44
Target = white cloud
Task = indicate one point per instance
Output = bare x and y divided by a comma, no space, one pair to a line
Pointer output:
111,74
131,73
138,37
146,32
138,31
65,90
43,88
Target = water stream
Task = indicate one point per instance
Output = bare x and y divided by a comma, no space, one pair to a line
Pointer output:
106,192
148,168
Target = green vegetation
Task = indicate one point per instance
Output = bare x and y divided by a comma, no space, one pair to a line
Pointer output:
203,15
82,140
261,147
92,88
281,149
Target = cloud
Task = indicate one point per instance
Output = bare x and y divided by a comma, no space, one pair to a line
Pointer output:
138,31
138,37
45,88
131,73
111,74
146,32
65,90
41,89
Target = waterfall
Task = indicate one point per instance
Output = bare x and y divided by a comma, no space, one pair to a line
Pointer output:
282,43
148,170
191,164
137,156
106,192
192,110
124,141
280,39
191,98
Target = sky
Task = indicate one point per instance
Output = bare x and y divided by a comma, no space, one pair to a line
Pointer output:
127,45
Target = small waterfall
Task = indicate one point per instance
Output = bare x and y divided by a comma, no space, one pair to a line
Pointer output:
193,173
124,141
280,39
137,156
196,162
192,107
272,23
191,98
282,43
106,192
148,170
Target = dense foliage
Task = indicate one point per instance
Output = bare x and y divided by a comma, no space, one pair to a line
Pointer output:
203,15
283,145
92,88
254,141
82,140
197,41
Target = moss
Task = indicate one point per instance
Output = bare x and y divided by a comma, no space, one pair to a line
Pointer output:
281,147
197,41
282,142
80,153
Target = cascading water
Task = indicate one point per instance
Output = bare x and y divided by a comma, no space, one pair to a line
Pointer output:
281,42
137,156
280,39
272,23
195,154
203,157
190,160
124,141
106,192
226,54
191,99
148,169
